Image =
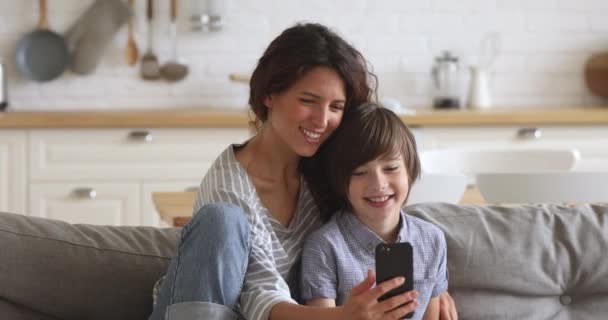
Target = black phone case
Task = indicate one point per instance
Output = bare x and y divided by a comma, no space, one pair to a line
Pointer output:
395,260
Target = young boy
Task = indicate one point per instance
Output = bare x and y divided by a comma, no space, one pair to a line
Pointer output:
371,167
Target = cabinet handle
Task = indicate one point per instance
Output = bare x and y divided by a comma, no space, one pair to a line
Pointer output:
85,193
191,189
529,133
144,136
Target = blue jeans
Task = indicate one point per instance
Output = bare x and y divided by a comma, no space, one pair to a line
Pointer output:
205,278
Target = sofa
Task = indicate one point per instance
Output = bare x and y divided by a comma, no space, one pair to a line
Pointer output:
543,261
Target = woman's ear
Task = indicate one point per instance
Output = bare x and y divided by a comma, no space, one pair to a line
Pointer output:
268,101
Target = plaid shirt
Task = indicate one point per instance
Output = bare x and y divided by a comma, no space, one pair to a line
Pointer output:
336,258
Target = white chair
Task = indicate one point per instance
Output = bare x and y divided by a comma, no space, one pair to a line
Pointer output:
544,187
471,162
438,187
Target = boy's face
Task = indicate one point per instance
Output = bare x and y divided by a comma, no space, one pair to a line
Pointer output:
378,189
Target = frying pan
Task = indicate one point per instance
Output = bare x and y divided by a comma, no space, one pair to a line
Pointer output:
42,55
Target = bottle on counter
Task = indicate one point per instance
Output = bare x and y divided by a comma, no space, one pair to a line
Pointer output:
3,87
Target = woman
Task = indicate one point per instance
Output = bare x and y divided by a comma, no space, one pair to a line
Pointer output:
238,255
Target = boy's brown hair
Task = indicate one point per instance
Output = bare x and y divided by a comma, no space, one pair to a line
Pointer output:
367,131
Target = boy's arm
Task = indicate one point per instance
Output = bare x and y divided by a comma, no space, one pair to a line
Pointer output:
432,310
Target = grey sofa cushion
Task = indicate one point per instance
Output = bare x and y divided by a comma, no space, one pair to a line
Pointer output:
12,311
80,271
525,262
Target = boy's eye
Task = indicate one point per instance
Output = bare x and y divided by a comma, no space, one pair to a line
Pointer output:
392,168
358,173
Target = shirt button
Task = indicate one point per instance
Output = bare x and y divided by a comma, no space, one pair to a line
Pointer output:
565,299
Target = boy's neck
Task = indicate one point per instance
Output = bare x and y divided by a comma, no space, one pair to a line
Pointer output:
387,230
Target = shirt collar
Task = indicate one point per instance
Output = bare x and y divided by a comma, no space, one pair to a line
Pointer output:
367,238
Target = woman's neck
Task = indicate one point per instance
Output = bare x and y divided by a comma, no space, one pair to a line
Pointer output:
269,158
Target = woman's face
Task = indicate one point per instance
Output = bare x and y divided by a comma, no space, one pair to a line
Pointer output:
378,189
308,112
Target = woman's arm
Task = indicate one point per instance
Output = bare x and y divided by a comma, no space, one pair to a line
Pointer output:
321,302
432,310
361,304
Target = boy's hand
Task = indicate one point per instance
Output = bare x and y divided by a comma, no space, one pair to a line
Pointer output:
447,307
362,304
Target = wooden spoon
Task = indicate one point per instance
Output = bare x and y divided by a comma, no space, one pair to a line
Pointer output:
132,50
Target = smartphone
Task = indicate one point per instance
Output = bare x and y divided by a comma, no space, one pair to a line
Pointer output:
395,260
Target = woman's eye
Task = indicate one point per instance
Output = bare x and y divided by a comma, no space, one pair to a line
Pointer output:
307,101
390,169
358,173
337,107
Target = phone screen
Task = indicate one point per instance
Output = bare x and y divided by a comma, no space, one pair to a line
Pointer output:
395,260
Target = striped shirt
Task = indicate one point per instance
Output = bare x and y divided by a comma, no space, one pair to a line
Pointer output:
275,249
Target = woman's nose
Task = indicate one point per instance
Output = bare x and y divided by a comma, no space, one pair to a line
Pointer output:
320,116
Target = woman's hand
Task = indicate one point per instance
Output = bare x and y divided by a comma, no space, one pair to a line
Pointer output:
447,307
362,304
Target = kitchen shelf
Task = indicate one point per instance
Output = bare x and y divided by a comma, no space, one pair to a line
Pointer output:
177,118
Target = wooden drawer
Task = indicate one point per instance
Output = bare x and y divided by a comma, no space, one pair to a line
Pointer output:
111,154
87,202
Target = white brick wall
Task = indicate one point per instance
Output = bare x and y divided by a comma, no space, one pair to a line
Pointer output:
545,44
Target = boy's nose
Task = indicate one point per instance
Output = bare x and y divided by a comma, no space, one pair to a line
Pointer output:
380,183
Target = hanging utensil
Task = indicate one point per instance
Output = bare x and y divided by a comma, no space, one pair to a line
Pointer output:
173,70
91,34
42,55
150,69
132,53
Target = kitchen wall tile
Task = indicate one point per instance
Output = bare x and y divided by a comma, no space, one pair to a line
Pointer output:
557,22
599,21
544,46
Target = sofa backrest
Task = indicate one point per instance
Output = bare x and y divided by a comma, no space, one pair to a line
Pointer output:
520,262
526,261
54,270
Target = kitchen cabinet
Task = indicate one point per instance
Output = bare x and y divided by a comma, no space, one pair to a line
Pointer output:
50,162
12,171
104,176
590,141
121,166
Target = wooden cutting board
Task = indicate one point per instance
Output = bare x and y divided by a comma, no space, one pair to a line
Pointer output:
596,74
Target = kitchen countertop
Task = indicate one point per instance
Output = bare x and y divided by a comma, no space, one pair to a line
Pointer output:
191,118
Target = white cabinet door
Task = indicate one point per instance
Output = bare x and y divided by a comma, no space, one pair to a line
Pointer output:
120,154
150,215
87,202
590,141
12,171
